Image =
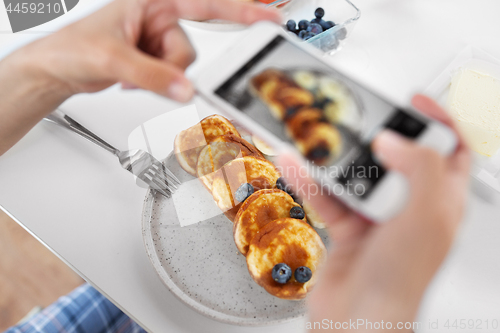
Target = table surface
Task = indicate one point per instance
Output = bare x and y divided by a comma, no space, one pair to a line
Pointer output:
73,196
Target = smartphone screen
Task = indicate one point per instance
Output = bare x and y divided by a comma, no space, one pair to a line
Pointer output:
303,101
298,99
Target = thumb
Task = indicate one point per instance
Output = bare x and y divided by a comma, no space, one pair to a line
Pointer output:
147,72
401,154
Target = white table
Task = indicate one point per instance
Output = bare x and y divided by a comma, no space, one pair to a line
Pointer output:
74,198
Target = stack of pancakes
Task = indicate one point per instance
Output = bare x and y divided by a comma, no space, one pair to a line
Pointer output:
314,136
263,230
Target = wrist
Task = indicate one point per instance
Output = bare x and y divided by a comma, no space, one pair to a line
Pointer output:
377,307
34,80
28,93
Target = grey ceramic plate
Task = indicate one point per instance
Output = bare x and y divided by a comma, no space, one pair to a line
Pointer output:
201,265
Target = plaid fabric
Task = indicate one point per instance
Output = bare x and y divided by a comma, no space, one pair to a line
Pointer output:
84,310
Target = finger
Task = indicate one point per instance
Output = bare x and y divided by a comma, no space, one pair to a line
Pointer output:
342,223
128,86
460,160
401,154
144,71
236,11
432,109
177,48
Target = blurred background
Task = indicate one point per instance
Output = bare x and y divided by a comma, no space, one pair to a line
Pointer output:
30,275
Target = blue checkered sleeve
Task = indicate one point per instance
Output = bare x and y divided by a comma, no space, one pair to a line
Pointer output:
84,310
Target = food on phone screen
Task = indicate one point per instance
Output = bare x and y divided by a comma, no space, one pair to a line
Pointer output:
289,241
306,79
280,92
473,101
313,125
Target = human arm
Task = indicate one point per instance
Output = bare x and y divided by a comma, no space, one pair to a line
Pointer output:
380,272
136,42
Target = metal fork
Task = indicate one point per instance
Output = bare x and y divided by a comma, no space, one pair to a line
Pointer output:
138,162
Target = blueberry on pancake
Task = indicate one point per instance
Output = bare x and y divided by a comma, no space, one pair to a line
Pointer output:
292,242
260,173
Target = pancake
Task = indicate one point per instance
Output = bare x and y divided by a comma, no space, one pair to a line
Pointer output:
320,143
314,137
258,210
298,125
313,216
189,143
221,150
263,147
290,241
247,148
279,92
261,173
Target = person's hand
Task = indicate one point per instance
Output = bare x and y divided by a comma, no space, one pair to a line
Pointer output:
136,42
380,272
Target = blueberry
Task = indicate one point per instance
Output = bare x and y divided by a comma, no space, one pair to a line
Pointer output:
342,33
316,20
332,43
297,213
243,192
315,28
303,274
321,103
326,25
282,273
319,12
292,110
302,33
281,184
309,35
303,24
291,25
318,153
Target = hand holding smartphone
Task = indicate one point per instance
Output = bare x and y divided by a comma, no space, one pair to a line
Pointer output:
284,93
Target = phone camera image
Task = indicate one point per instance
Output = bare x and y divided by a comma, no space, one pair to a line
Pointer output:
299,100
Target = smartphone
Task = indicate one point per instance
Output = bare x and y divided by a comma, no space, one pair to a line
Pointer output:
283,92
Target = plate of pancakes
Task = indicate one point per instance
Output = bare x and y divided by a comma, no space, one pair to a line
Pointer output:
245,263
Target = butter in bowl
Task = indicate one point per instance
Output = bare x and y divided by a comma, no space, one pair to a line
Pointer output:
469,88
474,102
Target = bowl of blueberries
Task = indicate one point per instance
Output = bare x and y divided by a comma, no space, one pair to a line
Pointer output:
325,24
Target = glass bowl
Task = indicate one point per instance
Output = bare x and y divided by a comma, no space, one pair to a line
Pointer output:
342,12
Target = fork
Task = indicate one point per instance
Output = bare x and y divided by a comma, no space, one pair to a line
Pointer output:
140,163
